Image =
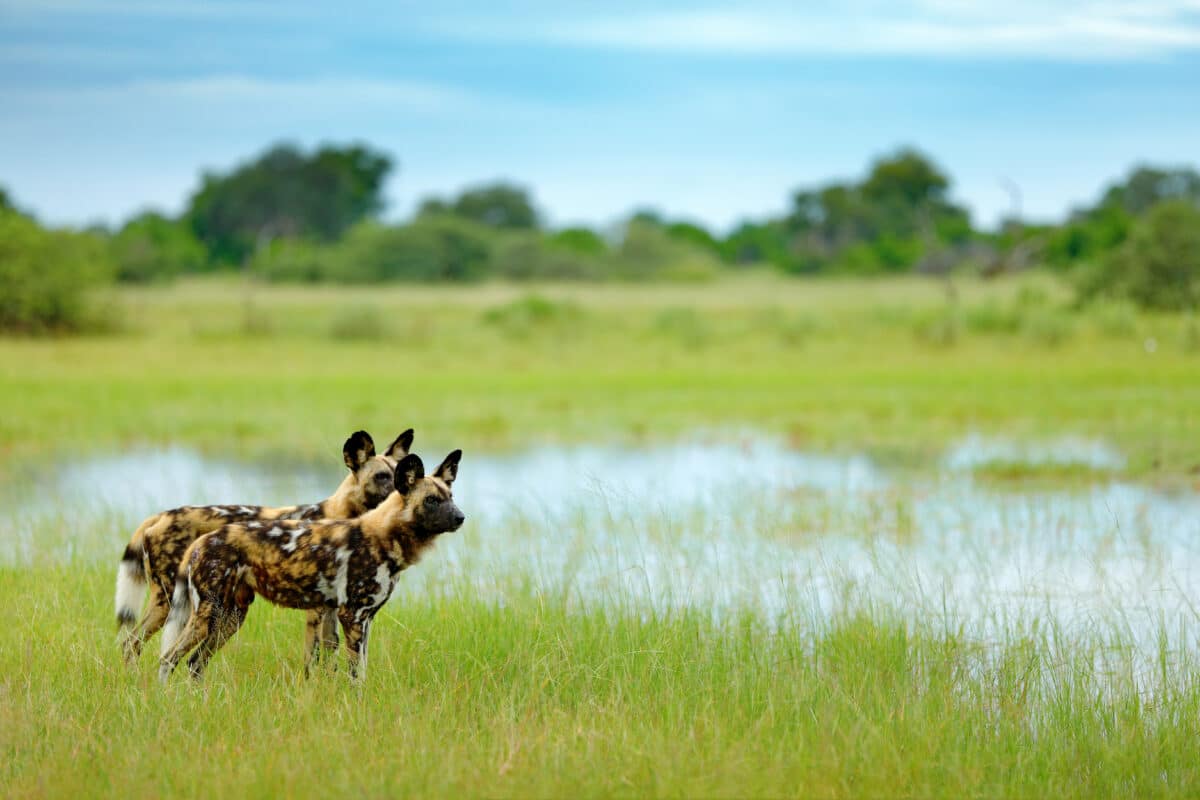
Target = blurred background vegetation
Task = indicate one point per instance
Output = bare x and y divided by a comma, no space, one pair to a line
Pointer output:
291,216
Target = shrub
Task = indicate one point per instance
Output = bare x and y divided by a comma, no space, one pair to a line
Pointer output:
1047,327
648,252
1116,319
529,256
292,260
152,247
531,312
1158,266
45,275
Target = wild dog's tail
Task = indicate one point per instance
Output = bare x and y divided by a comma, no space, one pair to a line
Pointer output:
181,609
131,578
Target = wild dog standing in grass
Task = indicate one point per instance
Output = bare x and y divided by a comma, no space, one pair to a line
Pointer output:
160,542
350,566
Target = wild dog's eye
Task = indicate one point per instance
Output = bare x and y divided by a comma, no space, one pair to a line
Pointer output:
432,501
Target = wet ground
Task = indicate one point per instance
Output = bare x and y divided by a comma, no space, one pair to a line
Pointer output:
721,526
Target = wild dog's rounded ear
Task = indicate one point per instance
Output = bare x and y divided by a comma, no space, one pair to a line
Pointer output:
448,469
357,449
409,472
400,448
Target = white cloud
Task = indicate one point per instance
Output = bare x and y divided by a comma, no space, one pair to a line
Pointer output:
327,94
1079,30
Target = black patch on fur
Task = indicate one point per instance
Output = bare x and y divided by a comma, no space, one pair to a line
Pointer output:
357,449
409,471
403,444
448,469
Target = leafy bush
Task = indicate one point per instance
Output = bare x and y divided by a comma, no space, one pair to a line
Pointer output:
991,317
530,256
531,312
1047,327
45,275
647,252
1159,265
152,247
1116,319
292,260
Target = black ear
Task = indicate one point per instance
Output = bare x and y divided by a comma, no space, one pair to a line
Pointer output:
357,449
448,470
401,447
409,472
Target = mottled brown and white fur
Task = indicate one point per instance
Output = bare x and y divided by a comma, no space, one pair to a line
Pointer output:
347,566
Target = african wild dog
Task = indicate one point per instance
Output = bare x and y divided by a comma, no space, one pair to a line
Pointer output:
160,542
348,565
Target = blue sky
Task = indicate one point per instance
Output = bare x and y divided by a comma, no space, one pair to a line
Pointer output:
708,112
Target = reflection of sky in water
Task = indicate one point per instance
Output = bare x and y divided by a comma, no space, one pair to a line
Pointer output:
717,526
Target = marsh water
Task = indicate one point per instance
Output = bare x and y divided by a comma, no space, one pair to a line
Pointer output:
718,525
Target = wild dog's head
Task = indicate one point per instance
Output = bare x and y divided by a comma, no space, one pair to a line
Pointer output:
373,474
428,499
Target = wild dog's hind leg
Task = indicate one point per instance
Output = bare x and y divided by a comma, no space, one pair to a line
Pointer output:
157,607
200,623
224,626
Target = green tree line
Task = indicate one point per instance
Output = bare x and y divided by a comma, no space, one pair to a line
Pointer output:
292,215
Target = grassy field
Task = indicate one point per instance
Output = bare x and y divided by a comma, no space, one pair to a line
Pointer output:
495,681
537,698
891,368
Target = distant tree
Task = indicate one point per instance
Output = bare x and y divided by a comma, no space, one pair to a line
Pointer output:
435,249
498,205
45,275
647,251
759,243
1148,186
433,207
153,247
287,194
648,216
578,240
1158,266
896,218
693,234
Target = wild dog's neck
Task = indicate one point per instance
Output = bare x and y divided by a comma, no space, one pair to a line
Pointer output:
390,519
346,502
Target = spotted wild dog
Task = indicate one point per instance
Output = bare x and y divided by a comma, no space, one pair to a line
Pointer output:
350,566
160,542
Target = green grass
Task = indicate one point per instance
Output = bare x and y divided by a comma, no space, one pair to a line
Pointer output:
538,697
1042,473
488,682
285,372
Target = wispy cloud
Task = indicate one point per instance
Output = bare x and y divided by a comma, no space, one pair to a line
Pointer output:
241,90
938,28
206,9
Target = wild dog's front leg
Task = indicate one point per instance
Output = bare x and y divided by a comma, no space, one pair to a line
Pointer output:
329,632
320,636
355,632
